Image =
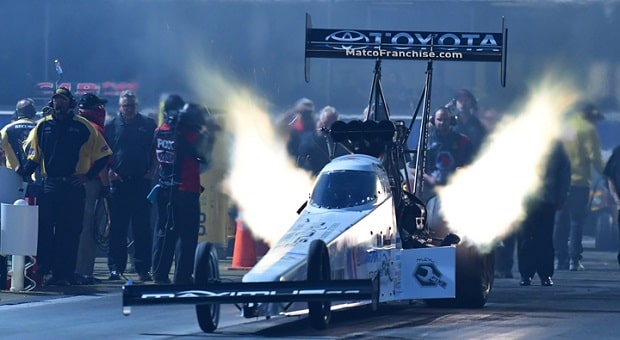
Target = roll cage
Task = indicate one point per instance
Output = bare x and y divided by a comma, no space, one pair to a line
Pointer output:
378,136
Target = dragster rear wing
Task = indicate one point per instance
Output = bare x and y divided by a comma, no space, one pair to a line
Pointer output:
406,45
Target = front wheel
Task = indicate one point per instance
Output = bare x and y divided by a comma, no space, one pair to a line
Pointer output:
318,271
206,271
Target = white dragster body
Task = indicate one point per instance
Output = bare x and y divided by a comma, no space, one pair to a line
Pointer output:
352,210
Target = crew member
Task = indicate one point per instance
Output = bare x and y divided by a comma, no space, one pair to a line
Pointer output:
97,189
468,123
314,149
447,150
583,147
293,123
69,151
535,238
182,144
15,133
130,135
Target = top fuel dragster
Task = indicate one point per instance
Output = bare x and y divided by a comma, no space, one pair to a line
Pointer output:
363,237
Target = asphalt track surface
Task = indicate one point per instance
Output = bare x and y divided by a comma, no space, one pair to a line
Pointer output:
581,305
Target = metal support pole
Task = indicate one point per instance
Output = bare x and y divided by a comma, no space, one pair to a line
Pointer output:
17,279
3,272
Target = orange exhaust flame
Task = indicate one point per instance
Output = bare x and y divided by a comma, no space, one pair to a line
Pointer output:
486,200
262,179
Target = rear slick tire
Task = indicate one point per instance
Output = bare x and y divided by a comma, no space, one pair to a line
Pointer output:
474,269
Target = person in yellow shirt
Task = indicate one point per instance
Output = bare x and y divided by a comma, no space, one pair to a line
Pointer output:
15,133
69,151
582,145
13,136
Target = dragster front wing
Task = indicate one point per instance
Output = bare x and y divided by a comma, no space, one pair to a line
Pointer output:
247,292
396,274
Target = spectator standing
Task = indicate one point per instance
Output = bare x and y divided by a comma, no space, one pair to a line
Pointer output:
468,123
13,137
316,147
180,156
535,250
14,134
447,150
12,153
582,145
130,135
92,108
295,123
612,172
69,151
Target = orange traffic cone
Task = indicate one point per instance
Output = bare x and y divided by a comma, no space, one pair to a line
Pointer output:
244,254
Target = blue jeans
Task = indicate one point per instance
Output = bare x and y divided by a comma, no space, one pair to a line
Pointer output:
568,230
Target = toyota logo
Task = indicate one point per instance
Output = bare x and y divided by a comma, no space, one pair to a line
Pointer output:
347,37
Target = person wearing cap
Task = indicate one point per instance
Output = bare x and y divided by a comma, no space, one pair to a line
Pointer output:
172,105
15,133
130,135
69,151
293,123
179,148
581,142
91,107
13,136
465,107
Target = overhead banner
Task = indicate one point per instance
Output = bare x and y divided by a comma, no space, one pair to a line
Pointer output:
453,46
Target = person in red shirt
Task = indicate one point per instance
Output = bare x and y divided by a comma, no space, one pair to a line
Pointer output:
91,107
182,146
294,123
